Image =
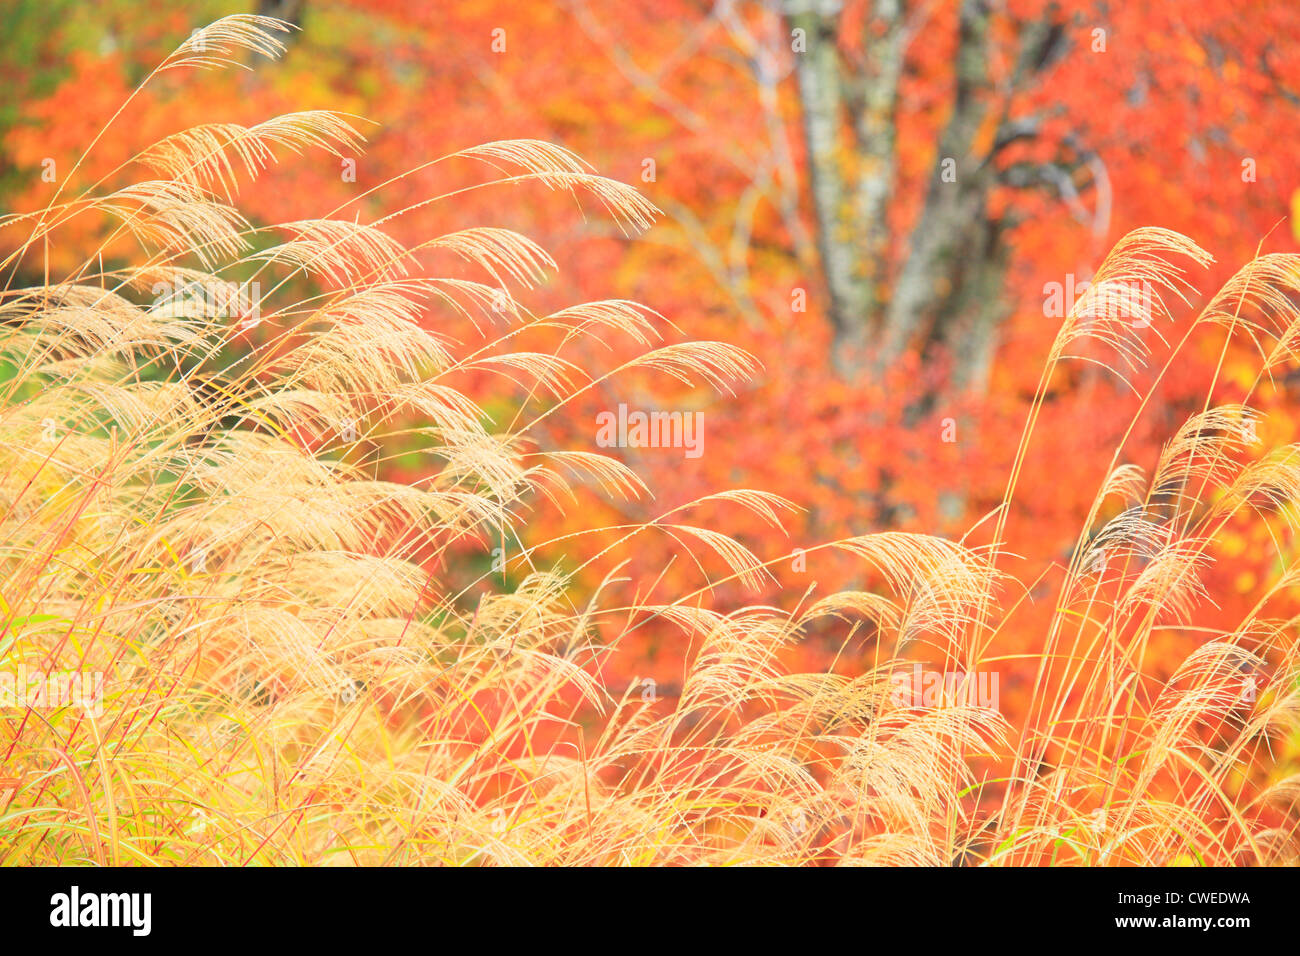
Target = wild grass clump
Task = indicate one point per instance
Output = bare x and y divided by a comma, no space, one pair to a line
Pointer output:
292,673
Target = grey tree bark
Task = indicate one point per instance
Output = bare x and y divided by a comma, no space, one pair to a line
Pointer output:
945,289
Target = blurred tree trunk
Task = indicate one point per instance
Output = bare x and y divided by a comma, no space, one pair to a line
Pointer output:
945,290
289,10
